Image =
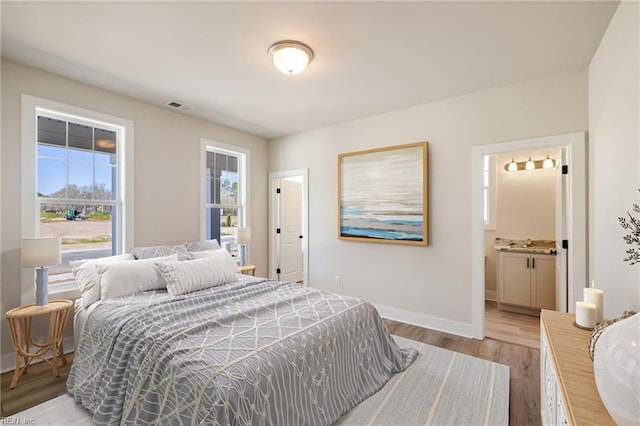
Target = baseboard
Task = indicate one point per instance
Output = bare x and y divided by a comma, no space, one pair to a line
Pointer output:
8,361
491,295
426,321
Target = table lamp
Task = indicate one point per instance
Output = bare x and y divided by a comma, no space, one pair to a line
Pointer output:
39,253
243,236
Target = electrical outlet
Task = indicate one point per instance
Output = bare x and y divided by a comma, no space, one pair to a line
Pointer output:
338,280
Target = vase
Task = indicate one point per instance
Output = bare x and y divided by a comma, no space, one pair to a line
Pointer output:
616,367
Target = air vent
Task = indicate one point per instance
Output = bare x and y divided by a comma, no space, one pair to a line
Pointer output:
179,106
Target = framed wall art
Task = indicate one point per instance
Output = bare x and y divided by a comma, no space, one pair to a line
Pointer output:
382,194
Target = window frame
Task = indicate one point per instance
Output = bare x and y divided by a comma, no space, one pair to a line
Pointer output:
243,181
32,107
490,189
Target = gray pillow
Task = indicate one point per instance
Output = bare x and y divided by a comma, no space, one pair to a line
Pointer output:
160,251
204,245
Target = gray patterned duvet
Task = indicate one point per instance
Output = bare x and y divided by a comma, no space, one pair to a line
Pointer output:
242,353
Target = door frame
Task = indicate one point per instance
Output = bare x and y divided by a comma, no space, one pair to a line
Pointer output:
274,177
574,144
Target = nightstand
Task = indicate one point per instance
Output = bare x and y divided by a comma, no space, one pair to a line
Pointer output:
19,320
248,269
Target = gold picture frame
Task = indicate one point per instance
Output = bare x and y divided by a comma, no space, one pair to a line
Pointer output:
383,193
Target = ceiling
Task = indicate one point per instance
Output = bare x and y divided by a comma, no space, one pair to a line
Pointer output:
370,57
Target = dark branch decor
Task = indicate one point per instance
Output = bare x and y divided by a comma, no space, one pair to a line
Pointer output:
632,224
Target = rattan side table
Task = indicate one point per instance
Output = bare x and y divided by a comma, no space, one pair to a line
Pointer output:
19,320
248,269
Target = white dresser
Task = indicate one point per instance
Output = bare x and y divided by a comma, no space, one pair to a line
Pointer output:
568,393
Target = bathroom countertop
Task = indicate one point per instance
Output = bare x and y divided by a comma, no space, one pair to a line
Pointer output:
522,246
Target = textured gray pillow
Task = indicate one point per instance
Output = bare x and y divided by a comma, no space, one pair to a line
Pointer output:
160,251
197,274
204,245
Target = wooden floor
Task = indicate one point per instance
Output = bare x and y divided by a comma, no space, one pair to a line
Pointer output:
523,358
510,327
35,387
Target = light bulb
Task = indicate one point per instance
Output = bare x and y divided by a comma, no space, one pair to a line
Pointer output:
530,165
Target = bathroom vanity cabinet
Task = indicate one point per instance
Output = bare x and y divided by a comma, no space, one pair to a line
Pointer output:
527,279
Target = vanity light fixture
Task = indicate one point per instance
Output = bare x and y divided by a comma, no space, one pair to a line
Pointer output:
513,166
290,56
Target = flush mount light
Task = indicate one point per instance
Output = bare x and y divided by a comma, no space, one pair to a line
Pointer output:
290,57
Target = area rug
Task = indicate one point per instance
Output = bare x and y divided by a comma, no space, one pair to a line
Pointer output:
441,387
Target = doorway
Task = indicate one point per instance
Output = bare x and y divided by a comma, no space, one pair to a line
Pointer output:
573,148
520,206
288,226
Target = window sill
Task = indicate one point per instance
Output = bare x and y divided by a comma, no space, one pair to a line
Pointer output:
68,290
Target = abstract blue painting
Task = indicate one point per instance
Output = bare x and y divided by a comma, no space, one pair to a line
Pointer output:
383,194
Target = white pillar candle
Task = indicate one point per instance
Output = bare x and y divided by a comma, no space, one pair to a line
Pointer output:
595,296
586,314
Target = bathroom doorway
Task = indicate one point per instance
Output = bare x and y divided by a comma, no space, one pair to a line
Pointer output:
572,153
520,243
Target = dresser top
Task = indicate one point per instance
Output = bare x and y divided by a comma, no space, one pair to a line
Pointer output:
569,347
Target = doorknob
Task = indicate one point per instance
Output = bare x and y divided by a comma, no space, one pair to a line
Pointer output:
300,236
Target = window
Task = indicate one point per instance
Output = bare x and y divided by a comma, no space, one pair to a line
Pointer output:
489,192
224,193
75,183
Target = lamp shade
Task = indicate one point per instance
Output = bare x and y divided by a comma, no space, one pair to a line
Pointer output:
290,57
243,235
39,252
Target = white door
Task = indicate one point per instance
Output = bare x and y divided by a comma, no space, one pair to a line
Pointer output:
290,225
561,234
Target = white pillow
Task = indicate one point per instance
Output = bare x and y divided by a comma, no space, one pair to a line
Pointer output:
131,276
197,274
87,276
220,253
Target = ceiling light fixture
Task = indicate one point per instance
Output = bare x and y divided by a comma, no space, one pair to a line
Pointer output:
290,57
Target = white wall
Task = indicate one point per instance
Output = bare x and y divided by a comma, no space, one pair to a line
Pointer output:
525,205
429,285
167,155
614,145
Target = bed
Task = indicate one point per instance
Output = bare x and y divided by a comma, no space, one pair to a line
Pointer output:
247,351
